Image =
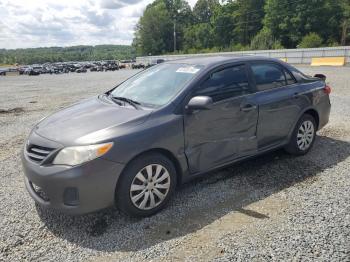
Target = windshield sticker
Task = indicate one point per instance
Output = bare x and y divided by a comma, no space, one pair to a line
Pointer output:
187,70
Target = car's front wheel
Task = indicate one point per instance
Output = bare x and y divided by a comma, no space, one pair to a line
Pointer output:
303,136
146,185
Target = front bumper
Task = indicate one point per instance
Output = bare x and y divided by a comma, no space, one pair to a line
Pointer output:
73,190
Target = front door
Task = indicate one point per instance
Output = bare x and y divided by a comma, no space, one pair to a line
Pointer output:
226,131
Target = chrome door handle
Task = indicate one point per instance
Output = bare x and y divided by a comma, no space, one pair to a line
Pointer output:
248,107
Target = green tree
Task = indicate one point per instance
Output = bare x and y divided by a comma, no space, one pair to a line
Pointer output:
63,54
242,24
276,18
204,9
222,21
311,40
155,29
345,24
248,19
264,40
290,21
198,37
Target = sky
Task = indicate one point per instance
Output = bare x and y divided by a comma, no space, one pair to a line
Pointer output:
43,23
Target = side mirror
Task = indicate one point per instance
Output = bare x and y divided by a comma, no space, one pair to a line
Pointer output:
321,76
199,103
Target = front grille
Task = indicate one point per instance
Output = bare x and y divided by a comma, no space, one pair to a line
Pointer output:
38,153
40,192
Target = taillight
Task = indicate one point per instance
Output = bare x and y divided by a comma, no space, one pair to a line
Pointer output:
327,89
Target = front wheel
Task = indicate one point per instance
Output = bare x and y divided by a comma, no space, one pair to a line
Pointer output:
146,185
303,136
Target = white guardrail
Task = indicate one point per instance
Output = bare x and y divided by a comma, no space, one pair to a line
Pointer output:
292,56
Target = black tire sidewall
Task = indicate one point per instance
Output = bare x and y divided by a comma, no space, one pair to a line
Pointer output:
123,200
293,147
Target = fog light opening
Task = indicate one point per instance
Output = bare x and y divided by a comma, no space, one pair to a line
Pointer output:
71,196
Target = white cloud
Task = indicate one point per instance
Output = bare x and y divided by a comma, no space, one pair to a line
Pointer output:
33,23
116,4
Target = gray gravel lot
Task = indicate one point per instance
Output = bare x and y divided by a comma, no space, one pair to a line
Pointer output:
274,207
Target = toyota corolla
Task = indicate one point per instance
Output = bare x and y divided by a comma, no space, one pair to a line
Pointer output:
132,145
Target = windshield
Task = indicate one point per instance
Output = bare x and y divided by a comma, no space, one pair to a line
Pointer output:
157,85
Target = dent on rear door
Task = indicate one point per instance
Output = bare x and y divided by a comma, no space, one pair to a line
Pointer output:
279,108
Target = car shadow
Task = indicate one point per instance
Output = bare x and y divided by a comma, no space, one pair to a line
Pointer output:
200,202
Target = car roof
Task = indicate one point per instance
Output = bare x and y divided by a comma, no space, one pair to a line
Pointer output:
217,60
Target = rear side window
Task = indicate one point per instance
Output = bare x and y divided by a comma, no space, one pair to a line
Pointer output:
226,83
290,79
268,76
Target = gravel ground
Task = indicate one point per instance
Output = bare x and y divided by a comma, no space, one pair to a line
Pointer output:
274,207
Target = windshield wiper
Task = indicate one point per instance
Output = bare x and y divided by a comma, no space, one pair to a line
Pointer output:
127,100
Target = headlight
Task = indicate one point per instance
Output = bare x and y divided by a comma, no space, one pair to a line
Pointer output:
76,155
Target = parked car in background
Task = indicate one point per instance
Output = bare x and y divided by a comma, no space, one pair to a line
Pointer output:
22,70
70,67
138,66
111,67
96,69
81,70
31,71
37,68
132,145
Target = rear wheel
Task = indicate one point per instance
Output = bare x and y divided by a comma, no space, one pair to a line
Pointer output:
146,185
303,136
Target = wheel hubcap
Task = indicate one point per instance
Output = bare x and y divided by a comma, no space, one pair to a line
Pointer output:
150,186
305,135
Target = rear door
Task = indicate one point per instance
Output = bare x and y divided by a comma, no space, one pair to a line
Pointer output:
278,102
227,130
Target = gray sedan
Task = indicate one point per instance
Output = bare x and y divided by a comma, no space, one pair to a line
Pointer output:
132,145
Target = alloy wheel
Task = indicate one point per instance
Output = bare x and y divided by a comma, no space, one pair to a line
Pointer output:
150,187
305,135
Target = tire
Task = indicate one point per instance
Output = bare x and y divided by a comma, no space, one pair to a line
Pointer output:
135,186
300,143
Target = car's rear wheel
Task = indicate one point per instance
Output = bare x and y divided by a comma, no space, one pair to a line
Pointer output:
146,185
303,136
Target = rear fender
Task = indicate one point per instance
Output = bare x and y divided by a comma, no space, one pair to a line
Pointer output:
297,119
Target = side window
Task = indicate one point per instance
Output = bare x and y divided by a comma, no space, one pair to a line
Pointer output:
290,78
268,76
226,83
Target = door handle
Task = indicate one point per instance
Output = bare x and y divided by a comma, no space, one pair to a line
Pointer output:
248,107
296,95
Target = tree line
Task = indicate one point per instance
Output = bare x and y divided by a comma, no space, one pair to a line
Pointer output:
64,54
168,26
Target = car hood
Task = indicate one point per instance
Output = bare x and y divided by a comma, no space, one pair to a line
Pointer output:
88,121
